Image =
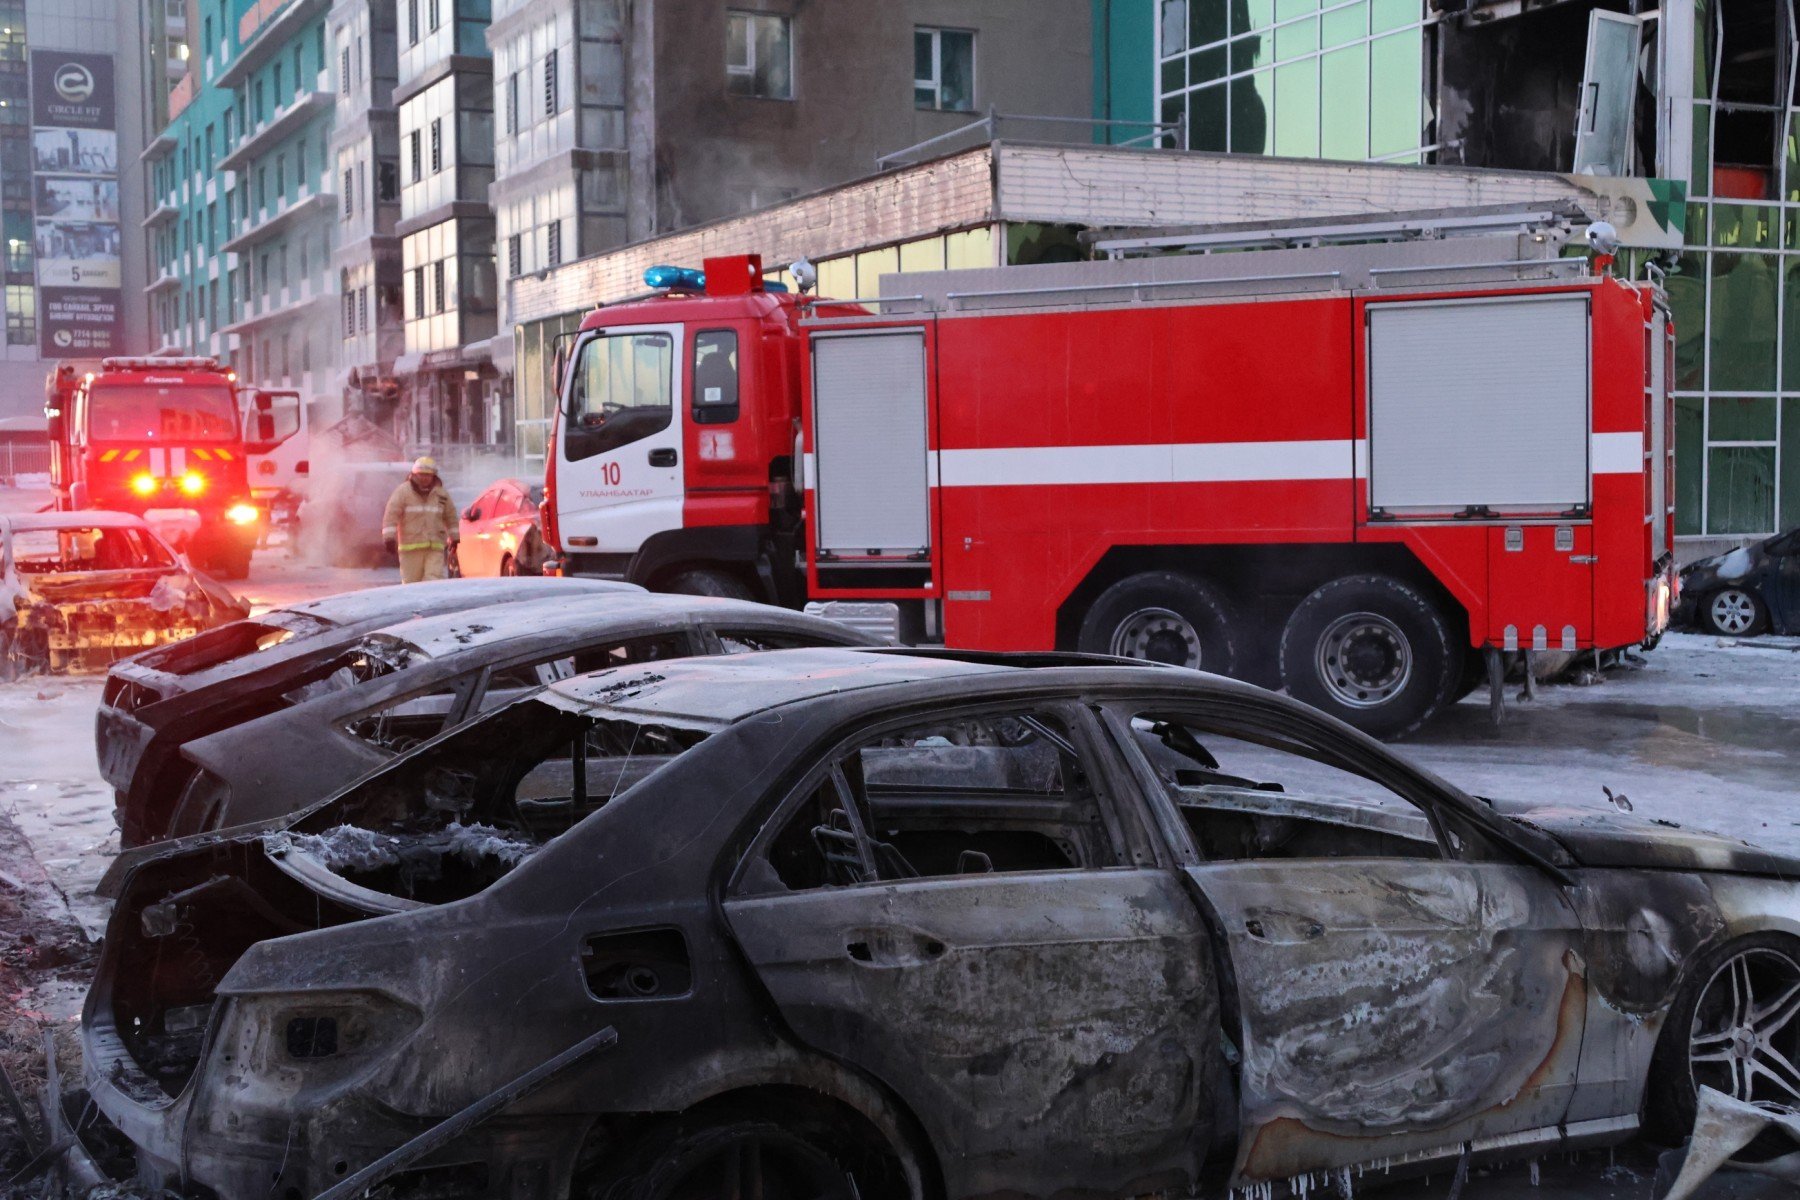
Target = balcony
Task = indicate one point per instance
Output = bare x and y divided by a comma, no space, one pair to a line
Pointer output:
262,311
270,40
168,280
160,146
268,225
280,124
162,214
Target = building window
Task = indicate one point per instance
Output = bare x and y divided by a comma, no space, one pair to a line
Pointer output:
418,158
512,103
944,69
437,284
550,84
349,315
435,18
344,71
553,244
412,22
387,180
513,246
349,194
759,56
418,291
437,145
21,314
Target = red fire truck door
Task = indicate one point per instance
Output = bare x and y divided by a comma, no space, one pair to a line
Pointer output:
1541,587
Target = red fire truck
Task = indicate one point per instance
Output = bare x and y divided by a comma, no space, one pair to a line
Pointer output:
1371,473
166,438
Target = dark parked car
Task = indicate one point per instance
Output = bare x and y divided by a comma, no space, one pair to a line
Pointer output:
886,925
413,681
1753,589
157,701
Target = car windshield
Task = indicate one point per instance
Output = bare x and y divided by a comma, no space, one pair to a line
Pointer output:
130,412
91,548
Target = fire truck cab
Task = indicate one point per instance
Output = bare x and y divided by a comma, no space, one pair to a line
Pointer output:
1369,473
167,439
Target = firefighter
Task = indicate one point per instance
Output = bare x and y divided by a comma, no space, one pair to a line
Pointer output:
420,522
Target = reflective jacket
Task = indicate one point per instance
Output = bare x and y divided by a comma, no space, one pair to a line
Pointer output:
418,522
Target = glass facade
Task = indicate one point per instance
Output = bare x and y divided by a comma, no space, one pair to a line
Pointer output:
1300,78
1737,291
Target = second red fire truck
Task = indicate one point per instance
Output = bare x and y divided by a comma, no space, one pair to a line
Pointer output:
167,439
1369,473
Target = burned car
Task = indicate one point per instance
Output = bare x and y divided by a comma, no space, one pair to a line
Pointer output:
880,924
1751,590
80,590
415,680
154,703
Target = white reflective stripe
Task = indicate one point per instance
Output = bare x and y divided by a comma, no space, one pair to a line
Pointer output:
1189,462
177,460
1618,453
807,474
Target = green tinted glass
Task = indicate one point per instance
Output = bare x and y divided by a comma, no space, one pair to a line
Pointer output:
1742,419
1392,14
1686,287
1206,116
1344,24
1396,83
1742,322
1790,333
1790,462
1701,182
1248,53
1791,161
1344,113
1296,38
1247,15
1252,106
1297,115
1740,489
1742,224
1690,463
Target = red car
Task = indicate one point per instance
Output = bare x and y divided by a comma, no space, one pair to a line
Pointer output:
500,533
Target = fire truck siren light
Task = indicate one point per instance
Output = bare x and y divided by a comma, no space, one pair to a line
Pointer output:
806,276
675,279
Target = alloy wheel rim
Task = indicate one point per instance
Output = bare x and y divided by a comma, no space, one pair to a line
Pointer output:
1733,611
1158,635
1745,1037
1364,660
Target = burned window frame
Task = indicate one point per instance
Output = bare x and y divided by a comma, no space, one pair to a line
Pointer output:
1464,831
688,644
1119,805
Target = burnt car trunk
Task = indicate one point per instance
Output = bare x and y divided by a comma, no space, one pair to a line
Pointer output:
85,621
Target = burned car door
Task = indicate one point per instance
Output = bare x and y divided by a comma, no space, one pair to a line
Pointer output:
956,906
1403,989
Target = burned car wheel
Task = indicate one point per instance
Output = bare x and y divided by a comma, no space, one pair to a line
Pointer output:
1736,1029
754,1159
1733,612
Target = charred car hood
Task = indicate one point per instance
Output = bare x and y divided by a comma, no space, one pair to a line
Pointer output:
1735,566
1608,839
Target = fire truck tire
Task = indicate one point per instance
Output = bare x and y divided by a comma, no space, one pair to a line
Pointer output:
1373,652
706,583
232,562
1162,616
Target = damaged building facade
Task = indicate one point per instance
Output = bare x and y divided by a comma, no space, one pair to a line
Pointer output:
1696,98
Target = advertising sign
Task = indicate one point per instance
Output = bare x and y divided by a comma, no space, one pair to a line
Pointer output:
75,154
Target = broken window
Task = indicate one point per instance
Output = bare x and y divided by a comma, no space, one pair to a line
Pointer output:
1748,44
506,684
401,724
759,55
952,796
1274,798
48,551
374,658
747,641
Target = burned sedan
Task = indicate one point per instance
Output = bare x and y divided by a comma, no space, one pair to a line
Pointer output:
412,681
876,924
80,590
157,701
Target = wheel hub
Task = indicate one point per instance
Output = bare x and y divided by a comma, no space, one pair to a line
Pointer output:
1745,1037
1158,635
1364,660
1733,611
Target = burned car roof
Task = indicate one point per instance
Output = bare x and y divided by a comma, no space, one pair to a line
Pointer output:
472,629
84,519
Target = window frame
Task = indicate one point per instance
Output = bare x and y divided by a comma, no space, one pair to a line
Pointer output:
936,82
1124,816
748,68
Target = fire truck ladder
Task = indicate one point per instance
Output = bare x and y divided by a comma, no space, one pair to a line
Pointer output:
1550,224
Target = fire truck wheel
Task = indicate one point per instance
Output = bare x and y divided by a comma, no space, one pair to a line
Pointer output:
1372,652
232,562
1162,616
706,583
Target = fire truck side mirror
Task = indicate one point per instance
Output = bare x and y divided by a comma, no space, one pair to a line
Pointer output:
270,419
